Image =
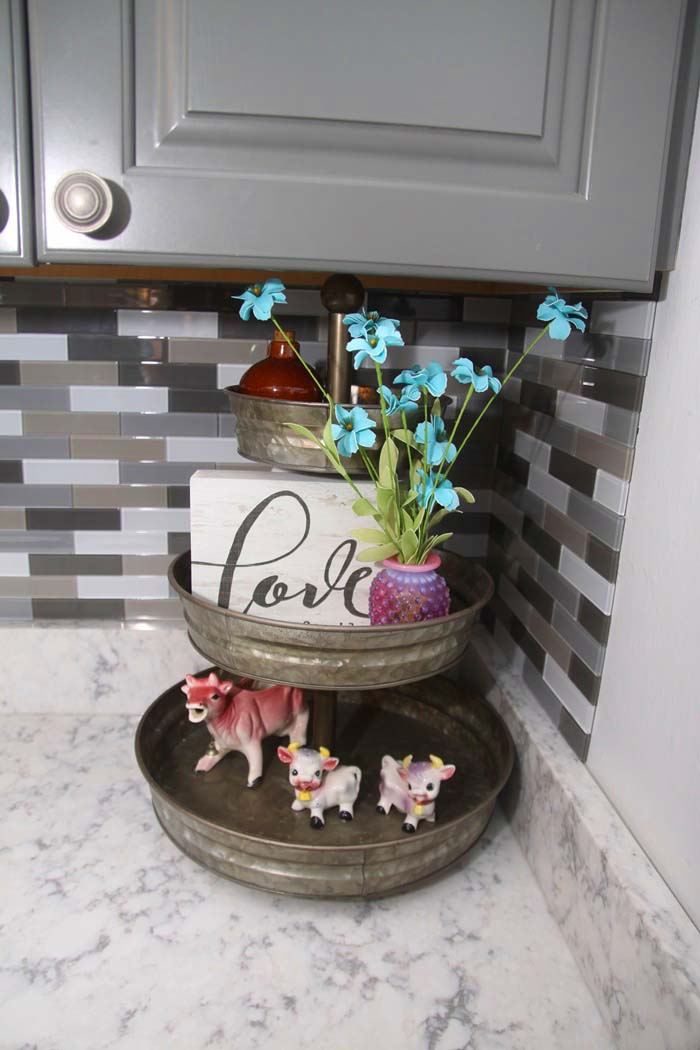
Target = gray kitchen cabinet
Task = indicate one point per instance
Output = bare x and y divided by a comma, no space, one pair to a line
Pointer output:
16,208
505,139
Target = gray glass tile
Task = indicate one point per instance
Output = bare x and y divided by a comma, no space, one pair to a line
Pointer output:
148,373
35,398
34,448
120,496
153,609
178,542
560,589
160,473
32,293
524,639
213,351
178,496
119,296
65,319
12,518
232,326
547,699
63,373
38,586
65,423
415,307
123,448
195,401
75,565
535,594
545,545
576,738
621,425
74,518
614,388
9,373
116,348
584,679
540,398
602,558
461,334
602,452
10,471
169,424
16,609
619,353
146,564
607,526
227,425
35,496
584,645
596,623
78,608
566,531
36,542
572,471
8,318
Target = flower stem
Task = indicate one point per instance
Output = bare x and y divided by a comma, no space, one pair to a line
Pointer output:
493,397
298,356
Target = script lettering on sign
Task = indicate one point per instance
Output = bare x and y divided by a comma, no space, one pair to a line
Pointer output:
276,546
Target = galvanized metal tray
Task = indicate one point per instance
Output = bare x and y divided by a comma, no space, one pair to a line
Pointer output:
253,837
318,657
264,437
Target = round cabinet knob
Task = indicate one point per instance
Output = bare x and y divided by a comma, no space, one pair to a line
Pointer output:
83,201
342,293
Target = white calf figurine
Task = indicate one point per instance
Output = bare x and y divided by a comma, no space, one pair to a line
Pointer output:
412,787
307,766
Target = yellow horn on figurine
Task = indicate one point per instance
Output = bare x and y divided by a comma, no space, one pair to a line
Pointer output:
436,762
294,747
407,761
324,752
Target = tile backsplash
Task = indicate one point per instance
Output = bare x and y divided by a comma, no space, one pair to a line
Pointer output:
111,397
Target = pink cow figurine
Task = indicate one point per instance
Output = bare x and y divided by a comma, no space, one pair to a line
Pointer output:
340,787
240,717
412,787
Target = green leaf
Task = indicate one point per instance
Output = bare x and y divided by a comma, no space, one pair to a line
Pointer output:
465,494
363,508
387,550
328,440
435,540
409,545
388,459
439,515
410,498
385,500
404,435
437,407
305,432
369,536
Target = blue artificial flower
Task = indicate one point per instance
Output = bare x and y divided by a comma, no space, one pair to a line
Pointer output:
354,428
375,344
260,298
434,488
481,379
438,447
561,315
394,404
366,322
431,378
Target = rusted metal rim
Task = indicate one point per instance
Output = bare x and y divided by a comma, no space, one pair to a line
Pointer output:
179,578
427,831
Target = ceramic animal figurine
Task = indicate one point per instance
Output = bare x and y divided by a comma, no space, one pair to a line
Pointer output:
240,717
312,791
412,787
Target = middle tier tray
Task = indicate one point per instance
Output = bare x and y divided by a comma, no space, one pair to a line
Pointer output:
335,657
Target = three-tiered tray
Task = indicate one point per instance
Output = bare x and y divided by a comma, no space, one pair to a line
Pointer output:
374,691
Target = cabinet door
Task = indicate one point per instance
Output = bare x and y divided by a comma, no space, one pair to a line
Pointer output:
16,245
504,139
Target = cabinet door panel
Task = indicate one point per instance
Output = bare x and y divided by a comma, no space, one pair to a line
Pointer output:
519,137
16,245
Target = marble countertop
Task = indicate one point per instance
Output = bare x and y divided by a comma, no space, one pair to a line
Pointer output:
111,938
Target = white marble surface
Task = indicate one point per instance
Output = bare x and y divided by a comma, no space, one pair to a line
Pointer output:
636,947
111,938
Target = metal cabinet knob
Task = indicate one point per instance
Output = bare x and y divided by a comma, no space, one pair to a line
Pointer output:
83,201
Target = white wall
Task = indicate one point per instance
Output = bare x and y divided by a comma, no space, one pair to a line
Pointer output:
645,748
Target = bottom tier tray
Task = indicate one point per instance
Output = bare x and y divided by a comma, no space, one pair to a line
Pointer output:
253,837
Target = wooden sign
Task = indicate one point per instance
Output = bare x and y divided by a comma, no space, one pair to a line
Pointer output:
276,545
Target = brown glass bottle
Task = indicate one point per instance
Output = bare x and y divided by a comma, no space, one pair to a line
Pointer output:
280,374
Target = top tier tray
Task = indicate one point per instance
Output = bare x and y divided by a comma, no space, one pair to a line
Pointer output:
319,657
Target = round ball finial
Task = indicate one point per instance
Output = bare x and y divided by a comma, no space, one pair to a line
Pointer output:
342,293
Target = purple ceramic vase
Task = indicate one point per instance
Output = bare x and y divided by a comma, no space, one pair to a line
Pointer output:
408,593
